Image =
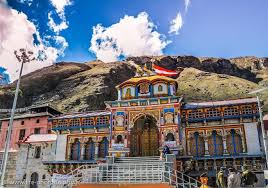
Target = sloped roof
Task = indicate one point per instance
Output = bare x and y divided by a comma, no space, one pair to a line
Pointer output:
146,78
219,103
85,114
29,115
40,138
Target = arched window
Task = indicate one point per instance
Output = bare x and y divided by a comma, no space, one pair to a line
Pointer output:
234,143
215,144
75,150
197,145
103,148
24,177
34,180
160,88
90,150
170,137
44,177
119,139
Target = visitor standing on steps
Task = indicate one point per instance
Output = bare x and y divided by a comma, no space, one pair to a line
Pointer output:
221,180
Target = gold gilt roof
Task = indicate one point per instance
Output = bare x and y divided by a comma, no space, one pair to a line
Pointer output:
151,79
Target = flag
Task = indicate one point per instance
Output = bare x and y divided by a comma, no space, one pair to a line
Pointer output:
164,72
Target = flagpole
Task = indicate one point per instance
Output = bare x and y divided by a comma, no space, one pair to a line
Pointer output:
24,57
7,143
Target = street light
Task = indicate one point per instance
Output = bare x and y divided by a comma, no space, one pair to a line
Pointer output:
261,120
23,56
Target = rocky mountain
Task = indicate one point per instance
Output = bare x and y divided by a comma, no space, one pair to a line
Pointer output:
73,87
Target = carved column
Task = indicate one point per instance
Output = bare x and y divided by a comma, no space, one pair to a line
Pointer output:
97,144
69,145
206,145
188,146
83,148
225,151
243,143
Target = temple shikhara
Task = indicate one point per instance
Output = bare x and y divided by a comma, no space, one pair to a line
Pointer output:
147,116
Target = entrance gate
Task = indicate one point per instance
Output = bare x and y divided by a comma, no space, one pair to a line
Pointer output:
144,137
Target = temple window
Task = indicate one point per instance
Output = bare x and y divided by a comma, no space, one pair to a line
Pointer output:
103,148
160,88
75,150
75,122
215,144
88,121
102,120
66,122
234,143
34,180
60,123
213,112
195,114
231,111
247,110
89,150
170,137
197,145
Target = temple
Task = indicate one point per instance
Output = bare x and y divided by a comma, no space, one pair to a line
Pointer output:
148,115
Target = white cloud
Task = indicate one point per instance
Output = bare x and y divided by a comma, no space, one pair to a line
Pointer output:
176,24
13,37
60,6
187,4
62,44
56,27
131,36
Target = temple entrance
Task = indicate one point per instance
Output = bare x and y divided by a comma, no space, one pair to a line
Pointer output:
144,137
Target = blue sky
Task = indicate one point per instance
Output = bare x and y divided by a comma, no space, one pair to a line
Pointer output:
218,28
223,28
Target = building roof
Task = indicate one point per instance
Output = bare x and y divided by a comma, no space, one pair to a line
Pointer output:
29,115
192,105
151,78
34,138
85,114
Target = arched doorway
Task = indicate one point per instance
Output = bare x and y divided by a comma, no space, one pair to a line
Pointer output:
144,137
34,180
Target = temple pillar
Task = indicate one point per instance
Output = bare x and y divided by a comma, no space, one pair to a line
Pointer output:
243,144
97,144
188,146
69,145
225,151
82,154
206,146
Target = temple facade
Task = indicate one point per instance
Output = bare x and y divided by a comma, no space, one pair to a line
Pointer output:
149,115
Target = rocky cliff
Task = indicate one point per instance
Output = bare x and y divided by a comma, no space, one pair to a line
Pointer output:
79,87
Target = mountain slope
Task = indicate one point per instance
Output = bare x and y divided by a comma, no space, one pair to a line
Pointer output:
75,87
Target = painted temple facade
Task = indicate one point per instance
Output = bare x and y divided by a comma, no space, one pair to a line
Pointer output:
149,115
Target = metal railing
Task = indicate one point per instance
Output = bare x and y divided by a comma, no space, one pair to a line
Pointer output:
132,173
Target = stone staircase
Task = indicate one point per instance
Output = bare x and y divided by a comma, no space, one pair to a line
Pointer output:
132,170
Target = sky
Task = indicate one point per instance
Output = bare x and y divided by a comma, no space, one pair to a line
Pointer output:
108,30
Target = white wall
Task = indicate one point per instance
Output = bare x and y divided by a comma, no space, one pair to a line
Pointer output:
61,147
252,138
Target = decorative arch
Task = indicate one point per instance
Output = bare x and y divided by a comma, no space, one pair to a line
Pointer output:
234,142
34,180
215,144
197,145
75,149
137,115
170,137
103,148
89,149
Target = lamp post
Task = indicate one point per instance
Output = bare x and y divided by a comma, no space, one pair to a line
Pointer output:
23,56
261,120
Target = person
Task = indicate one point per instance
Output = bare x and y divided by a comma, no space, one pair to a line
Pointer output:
233,181
166,150
204,180
248,178
221,181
